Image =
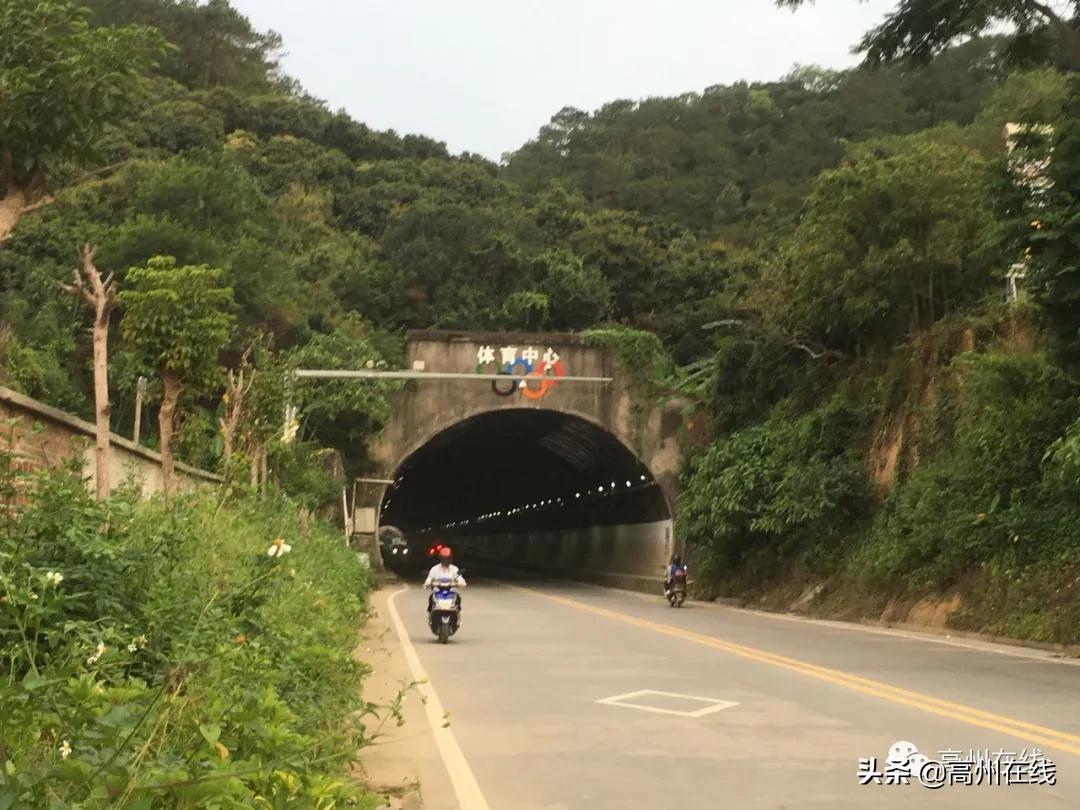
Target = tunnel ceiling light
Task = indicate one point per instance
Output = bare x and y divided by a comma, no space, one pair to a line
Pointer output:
643,478
577,494
628,483
600,488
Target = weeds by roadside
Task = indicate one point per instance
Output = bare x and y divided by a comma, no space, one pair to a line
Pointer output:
195,655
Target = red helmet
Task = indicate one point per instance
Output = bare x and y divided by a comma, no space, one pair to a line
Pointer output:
445,553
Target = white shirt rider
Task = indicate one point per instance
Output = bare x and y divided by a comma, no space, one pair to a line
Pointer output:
443,571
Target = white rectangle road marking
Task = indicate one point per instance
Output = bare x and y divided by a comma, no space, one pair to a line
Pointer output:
713,706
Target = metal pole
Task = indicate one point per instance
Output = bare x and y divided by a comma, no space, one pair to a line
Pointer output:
439,375
289,377
345,512
140,392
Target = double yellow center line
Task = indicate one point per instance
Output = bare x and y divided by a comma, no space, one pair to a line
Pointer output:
1029,732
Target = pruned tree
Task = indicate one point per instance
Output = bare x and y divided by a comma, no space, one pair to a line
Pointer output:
100,296
238,382
60,80
177,320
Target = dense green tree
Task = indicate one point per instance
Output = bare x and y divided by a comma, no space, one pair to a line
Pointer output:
60,81
755,500
176,320
919,29
737,160
341,413
888,243
619,246
1046,223
578,296
214,43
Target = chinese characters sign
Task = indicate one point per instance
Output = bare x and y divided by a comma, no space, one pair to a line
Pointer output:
904,765
528,361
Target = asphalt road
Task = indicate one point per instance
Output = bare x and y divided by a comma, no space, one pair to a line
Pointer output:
777,712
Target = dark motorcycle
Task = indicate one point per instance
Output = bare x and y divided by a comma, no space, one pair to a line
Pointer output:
676,590
444,618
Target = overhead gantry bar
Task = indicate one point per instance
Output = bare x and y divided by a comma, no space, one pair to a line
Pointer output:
438,375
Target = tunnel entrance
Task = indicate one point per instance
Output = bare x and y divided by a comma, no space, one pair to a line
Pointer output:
519,472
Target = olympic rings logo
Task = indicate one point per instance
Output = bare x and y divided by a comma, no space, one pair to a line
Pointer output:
546,373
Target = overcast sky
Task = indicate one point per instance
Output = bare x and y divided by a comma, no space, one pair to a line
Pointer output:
485,75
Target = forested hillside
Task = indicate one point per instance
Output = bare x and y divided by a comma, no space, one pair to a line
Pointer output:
824,256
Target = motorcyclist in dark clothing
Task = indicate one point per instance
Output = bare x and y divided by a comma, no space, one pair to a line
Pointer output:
675,565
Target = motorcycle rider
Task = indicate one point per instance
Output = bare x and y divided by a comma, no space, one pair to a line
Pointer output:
675,565
444,570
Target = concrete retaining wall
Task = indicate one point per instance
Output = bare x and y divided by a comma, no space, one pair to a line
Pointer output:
43,437
627,556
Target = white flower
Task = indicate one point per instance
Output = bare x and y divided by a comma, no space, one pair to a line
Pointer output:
137,644
133,647
65,749
33,596
278,548
54,578
93,659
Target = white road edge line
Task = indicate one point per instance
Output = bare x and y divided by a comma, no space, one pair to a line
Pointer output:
466,788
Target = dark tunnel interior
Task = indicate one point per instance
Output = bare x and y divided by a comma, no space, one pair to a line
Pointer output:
520,470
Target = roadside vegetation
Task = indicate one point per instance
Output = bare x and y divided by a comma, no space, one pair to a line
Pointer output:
195,654
817,263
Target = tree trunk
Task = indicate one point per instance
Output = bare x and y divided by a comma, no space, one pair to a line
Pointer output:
18,196
263,470
930,296
236,388
166,416
255,468
100,295
12,206
101,404
226,440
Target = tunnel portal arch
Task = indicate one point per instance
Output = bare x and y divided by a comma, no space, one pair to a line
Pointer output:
628,435
520,462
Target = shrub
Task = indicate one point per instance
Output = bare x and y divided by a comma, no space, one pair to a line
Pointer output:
984,494
155,654
770,492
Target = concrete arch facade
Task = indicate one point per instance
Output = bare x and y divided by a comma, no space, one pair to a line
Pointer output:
424,409
629,555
